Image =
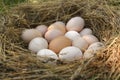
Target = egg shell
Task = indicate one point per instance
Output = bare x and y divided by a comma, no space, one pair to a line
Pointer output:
58,25
29,34
60,22
46,54
42,29
80,43
53,33
75,24
93,49
59,43
86,31
90,39
72,35
70,53
37,44
96,46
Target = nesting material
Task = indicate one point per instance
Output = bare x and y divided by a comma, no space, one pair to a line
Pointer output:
17,62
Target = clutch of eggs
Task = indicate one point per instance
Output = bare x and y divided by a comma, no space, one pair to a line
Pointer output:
65,42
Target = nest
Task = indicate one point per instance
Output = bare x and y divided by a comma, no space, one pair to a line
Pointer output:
18,63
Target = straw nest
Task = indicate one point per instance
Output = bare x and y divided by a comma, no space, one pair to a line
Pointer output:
18,63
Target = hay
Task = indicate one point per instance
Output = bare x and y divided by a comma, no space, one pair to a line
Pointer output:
18,63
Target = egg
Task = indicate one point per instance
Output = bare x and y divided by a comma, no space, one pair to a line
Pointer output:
46,54
59,43
58,25
75,24
86,31
70,53
90,39
37,44
51,34
80,43
93,49
72,35
96,46
29,34
42,29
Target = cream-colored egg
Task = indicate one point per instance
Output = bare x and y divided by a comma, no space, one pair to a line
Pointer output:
80,43
58,25
46,54
72,35
42,29
93,49
90,39
70,53
76,24
37,44
86,31
59,43
29,34
51,34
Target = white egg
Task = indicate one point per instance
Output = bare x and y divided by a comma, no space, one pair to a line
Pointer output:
76,24
80,43
86,31
93,49
29,34
37,44
90,39
96,46
72,35
70,53
46,54
42,29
